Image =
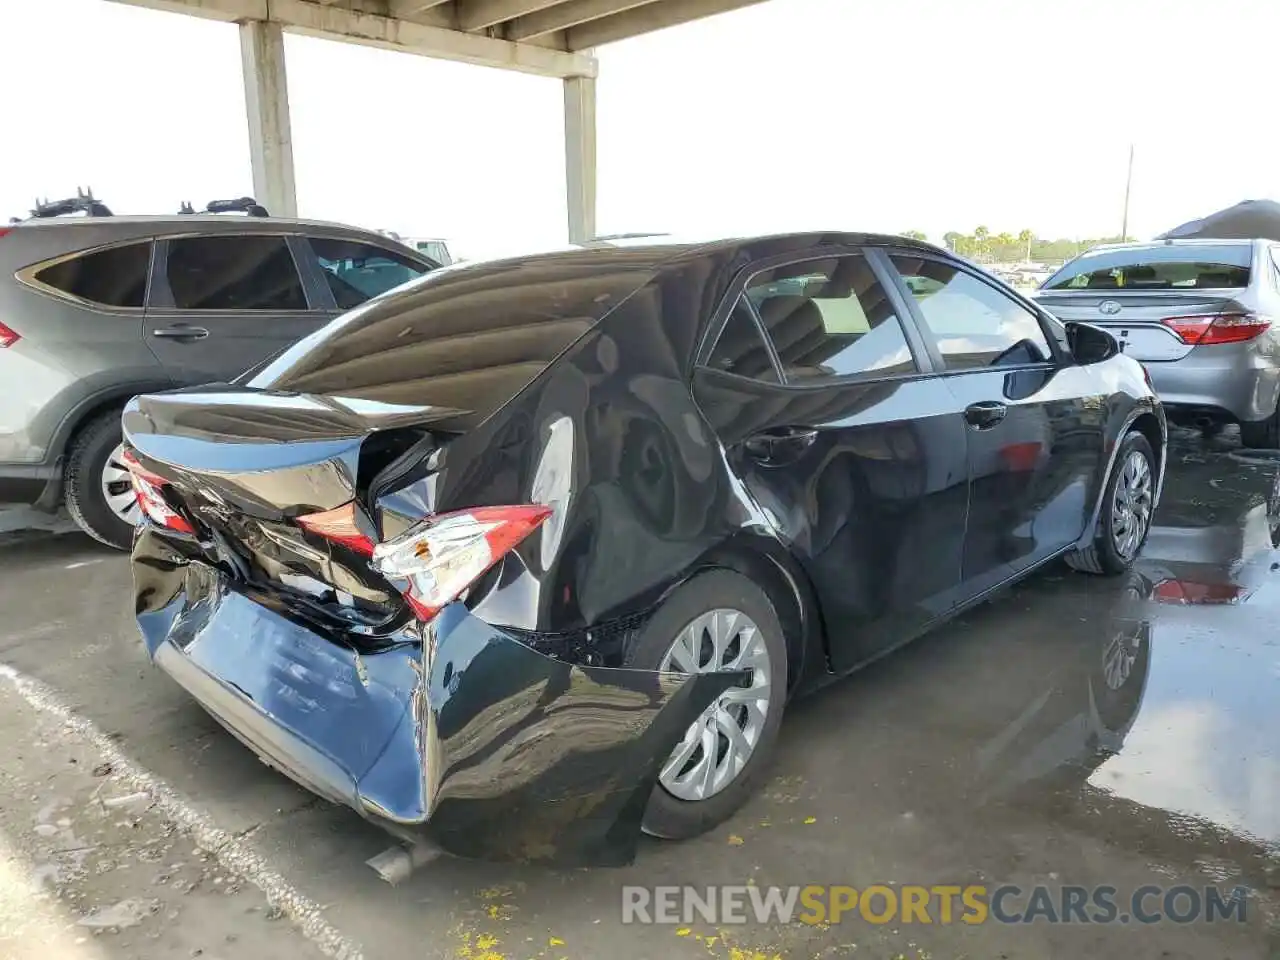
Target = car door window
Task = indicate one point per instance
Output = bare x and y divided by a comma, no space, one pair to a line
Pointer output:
114,277
234,273
357,271
974,324
830,318
740,349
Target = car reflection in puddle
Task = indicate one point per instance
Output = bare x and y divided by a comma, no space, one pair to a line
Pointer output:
1204,743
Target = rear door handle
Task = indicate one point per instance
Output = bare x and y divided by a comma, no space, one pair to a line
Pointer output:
181,333
780,444
985,414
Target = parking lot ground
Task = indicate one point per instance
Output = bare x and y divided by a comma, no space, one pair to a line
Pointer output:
1074,731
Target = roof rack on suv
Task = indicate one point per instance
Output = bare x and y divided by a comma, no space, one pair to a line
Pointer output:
240,205
83,202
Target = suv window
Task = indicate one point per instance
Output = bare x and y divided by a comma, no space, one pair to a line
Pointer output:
234,272
1173,267
830,318
974,324
741,349
115,277
357,271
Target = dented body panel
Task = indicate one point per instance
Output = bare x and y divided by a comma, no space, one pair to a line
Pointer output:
456,733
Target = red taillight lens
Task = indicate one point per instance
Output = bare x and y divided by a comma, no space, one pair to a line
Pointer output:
148,488
341,526
8,336
1205,329
445,554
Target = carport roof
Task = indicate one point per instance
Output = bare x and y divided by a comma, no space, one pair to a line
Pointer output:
548,37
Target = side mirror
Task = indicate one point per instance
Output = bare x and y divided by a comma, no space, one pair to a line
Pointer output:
1090,344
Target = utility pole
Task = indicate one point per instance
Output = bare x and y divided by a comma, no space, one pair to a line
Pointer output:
1128,183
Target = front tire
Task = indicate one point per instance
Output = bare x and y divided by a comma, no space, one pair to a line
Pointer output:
1124,520
98,493
717,620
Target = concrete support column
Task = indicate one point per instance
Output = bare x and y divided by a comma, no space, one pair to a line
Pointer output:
580,155
266,98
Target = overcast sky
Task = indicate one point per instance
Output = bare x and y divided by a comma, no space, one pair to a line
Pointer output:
853,114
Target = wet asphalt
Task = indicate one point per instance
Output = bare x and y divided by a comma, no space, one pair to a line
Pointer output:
1073,731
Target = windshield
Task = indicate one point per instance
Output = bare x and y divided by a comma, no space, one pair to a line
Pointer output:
1172,267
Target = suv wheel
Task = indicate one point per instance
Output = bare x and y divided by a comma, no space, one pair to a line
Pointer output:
99,495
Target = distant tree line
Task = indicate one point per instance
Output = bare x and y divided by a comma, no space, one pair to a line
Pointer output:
985,246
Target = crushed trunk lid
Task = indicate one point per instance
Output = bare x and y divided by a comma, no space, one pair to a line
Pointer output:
240,466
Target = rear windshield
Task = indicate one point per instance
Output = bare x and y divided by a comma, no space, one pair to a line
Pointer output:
466,338
1173,267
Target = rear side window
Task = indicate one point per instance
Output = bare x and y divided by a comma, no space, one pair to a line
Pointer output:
1172,267
830,318
358,271
115,277
234,273
740,348
464,339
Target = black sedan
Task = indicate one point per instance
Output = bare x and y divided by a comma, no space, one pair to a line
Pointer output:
525,557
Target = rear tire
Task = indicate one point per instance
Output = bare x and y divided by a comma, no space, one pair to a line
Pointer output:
1261,434
1104,556
742,605
87,459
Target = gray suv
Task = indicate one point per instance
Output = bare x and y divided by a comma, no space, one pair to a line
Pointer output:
1201,316
97,308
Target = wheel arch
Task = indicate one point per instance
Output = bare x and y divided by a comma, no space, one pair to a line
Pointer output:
91,407
1147,419
771,567
1149,426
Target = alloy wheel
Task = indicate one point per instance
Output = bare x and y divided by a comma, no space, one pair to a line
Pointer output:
117,488
717,745
1131,507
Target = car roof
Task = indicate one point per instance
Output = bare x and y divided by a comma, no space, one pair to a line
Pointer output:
1159,244
662,251
201,220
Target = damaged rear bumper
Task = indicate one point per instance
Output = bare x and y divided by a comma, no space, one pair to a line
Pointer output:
458,734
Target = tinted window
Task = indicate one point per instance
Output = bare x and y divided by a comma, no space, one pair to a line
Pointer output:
830,318
1172,267
741,349
234,273
463,339
974,323
116,277
357,271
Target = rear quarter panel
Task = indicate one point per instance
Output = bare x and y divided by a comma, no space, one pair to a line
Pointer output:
69,359
642,491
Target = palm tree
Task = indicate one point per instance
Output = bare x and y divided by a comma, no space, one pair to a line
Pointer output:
1025,237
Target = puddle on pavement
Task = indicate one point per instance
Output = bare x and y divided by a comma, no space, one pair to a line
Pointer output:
1191,672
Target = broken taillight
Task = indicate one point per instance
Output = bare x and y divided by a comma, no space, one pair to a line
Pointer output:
439,557
148,488
340,525
445,554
